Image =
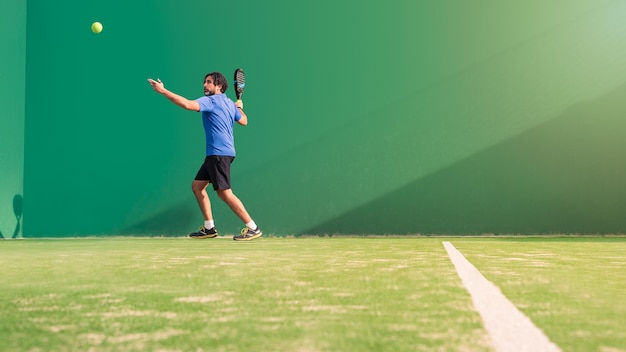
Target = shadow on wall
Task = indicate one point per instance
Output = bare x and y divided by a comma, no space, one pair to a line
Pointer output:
565,176
18,206
174,221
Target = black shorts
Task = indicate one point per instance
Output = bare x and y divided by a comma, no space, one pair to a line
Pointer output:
216,170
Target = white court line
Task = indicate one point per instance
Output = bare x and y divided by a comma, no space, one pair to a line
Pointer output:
510,329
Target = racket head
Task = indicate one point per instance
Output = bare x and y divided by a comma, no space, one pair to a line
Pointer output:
239,83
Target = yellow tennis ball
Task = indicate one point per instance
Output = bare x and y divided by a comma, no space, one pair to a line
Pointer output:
96,27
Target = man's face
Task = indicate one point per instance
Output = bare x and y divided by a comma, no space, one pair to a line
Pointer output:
210,88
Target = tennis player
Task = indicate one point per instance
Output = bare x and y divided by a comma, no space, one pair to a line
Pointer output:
219,114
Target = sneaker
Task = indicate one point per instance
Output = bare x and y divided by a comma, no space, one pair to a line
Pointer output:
248,235
203,232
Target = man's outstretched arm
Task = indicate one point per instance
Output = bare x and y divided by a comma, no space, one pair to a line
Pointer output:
181,101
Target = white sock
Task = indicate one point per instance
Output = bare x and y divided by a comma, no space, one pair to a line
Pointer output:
251,225
209,224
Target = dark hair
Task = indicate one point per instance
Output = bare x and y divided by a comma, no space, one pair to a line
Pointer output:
218,80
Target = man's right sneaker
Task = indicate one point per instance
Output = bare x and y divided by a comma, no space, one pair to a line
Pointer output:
248,234
203,232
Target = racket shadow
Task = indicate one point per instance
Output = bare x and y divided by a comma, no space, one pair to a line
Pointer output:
18,208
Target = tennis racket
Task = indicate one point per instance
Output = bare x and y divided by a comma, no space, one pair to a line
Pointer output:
240,83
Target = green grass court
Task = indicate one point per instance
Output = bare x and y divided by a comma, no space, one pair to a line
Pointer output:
302,294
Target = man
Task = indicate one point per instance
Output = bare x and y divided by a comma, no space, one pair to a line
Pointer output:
218,117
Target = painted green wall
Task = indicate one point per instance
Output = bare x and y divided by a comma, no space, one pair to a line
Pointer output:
392,117
12,78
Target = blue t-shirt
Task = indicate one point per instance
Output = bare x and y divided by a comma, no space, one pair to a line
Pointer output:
218,117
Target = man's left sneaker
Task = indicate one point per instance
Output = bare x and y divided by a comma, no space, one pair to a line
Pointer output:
248,234
203,232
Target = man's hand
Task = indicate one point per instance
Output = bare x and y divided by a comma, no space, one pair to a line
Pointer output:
239,104
157,85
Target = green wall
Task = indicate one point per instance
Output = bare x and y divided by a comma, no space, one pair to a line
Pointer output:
12,78
398,117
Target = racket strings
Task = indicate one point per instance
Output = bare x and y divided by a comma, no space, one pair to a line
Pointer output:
240,83
240,80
